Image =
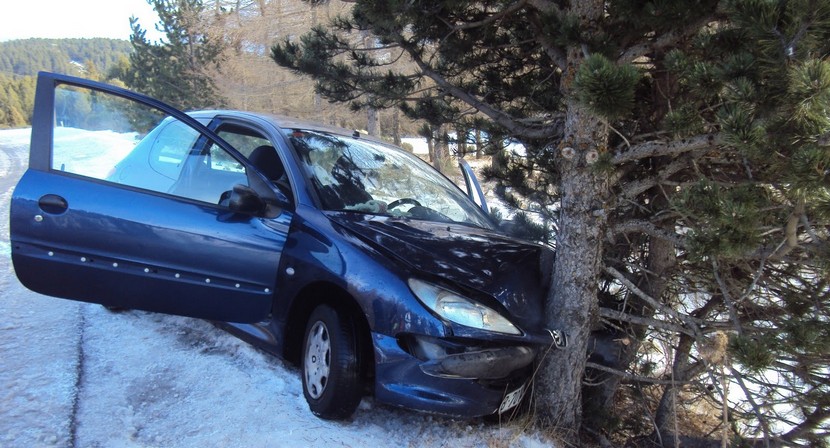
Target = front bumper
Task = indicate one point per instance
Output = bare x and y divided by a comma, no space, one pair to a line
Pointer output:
445,358
449,377
492,363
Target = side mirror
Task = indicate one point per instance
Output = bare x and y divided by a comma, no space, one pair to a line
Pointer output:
244,199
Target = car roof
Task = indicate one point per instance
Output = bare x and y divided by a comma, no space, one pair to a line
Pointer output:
284,122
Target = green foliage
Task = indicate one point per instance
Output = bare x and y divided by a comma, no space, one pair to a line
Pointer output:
809,88
525,227
808,335
176,71
741,130
16,100
605,88
753,353
724,218
683,121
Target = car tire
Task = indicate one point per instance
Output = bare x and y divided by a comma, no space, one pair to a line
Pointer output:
331,364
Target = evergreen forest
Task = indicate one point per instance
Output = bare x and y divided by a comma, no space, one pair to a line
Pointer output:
21,60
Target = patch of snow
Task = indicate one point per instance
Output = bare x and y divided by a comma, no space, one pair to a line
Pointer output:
419,145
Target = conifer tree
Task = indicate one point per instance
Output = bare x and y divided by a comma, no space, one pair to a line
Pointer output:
682,151
177,69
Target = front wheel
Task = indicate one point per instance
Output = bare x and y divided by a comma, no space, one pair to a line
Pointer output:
331,365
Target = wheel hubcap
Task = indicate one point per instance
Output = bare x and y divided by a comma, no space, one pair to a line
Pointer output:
317,360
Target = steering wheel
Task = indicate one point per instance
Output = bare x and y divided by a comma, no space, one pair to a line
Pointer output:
403,201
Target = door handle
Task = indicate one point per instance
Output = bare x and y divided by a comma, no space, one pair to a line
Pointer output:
53,204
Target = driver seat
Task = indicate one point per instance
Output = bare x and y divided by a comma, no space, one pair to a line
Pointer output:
266,160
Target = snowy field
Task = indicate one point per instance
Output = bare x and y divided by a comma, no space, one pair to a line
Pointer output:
76,375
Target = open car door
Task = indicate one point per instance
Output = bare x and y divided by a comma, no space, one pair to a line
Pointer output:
125,203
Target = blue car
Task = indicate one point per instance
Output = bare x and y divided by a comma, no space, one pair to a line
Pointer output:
352,258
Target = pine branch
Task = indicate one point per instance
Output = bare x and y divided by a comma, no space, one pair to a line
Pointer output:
672,148
639,226
818,245
556,54
630,377
789,47
637,187
814,420
756,409
493,18
664,41
621,316
687,320
500,117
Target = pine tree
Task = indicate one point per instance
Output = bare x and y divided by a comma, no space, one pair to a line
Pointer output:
176,70
682,151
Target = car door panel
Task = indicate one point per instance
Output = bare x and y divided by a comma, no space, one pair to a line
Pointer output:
88,239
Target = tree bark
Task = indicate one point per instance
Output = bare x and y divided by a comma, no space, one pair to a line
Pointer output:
373,122
396,128
479,143
666,417
572,305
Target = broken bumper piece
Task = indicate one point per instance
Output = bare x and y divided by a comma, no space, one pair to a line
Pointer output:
490,363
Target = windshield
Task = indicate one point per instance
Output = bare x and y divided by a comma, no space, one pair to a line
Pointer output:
351,174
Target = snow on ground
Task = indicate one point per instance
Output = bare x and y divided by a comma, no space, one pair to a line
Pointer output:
76,375
419,145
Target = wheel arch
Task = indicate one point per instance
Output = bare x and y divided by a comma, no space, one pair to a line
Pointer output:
309,298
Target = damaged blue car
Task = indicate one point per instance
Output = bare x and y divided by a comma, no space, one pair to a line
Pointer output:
354,259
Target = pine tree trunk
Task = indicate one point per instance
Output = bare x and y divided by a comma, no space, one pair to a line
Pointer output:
572,305
439,149
479,143
396,128
373,122
666,417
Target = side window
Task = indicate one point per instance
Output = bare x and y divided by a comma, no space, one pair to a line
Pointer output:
259,151
244,140
109,138
170,147
222,161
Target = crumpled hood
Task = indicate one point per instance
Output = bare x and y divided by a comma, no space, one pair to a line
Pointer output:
513,272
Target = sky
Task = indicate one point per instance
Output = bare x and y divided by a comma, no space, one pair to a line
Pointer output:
23,19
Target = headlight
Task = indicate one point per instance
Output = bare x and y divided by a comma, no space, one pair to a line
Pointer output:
460,310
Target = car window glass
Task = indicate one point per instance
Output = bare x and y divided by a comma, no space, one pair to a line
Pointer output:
113,139
170,146
352,174
245,143
260,152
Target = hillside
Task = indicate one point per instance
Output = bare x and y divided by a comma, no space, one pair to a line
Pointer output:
20,60
26,57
